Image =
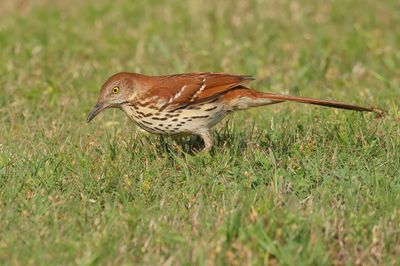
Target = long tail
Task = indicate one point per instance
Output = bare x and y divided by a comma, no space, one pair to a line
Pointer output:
272,98
314,101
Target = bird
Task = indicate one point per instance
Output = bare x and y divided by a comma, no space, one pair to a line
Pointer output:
190,103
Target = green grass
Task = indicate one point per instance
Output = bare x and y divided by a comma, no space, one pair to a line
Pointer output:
287,184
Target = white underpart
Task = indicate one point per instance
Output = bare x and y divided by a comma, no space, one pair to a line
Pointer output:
178,94
199,124
200,90
246,102
189,121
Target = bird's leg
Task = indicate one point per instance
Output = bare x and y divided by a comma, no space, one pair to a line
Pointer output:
207,139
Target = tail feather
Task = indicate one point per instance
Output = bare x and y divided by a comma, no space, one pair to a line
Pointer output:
243,98
328,103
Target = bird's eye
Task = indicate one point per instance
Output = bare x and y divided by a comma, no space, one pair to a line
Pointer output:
115,90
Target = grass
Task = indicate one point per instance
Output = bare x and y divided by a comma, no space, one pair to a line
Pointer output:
287,184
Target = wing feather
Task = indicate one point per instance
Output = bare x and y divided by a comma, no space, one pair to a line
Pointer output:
192,88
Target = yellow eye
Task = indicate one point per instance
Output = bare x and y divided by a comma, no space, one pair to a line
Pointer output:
115,90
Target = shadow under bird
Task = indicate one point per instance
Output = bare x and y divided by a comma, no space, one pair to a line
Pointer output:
190,103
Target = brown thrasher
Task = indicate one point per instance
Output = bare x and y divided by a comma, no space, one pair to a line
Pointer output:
189,103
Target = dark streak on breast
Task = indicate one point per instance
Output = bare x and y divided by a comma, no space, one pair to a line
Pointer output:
159,118
172,115
143,114
200,116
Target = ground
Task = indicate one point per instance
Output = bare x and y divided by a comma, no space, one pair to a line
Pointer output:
286,184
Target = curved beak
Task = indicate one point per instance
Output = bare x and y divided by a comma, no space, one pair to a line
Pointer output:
95,111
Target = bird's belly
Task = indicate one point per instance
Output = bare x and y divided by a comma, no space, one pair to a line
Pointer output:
186,120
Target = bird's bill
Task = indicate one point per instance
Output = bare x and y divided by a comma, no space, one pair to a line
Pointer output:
95,111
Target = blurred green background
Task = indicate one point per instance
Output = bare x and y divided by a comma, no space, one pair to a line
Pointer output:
287,184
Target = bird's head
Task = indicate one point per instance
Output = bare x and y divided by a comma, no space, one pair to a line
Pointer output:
116,91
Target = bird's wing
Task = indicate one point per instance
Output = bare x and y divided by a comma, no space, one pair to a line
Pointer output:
182,90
